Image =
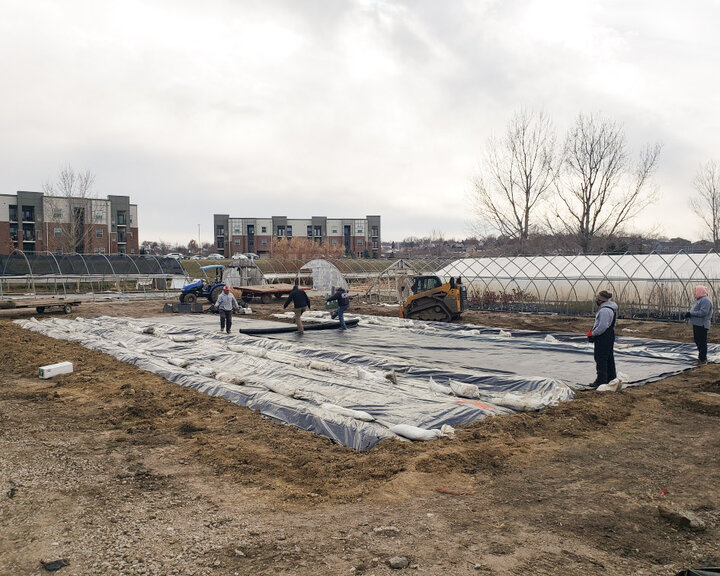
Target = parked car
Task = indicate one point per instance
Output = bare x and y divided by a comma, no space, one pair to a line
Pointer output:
251,255
239,256
196,257
176,255
215,256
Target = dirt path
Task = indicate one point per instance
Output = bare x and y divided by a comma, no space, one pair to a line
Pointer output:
122,472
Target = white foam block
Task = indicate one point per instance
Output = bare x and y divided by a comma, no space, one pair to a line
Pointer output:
54,369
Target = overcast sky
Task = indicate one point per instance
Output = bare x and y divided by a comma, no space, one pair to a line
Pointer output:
341,108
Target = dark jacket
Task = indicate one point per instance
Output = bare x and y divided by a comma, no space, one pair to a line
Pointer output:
342,297
298,297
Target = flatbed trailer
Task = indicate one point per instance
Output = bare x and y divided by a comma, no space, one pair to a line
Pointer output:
265,292
40,304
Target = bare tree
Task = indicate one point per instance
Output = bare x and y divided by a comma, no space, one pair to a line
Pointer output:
599,190
516,174
70,201
707,202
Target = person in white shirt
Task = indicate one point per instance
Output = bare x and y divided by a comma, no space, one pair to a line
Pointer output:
225,304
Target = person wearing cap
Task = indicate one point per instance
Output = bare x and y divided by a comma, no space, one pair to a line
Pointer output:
225,304
301,302
699,318
603,336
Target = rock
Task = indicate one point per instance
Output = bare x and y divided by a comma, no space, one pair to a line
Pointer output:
398,562
681,518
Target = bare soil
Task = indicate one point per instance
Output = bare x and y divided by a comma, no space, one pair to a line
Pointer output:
118,471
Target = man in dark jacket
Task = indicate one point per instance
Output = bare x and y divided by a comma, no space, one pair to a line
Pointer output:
343,299
301,302
603,335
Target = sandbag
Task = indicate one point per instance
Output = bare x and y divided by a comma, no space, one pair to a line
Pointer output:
415,433
349,412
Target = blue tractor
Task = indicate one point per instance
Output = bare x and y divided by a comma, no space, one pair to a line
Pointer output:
207,287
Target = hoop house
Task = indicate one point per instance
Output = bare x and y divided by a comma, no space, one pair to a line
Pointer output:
649,285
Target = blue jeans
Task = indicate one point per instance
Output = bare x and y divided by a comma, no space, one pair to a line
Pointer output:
340,313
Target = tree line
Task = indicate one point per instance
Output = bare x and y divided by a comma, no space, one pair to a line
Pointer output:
584,190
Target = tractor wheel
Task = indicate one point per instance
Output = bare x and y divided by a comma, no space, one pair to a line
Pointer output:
190,298
40,309
215,294
265,298
67,308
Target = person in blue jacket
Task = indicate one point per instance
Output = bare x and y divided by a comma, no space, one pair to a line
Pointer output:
603,336
343,299
699,318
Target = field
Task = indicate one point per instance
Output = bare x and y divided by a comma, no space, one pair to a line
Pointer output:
118,471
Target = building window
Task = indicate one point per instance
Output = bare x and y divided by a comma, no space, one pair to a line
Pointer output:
359,230
360,243
288,231
263,229
236,230
264,242
309,231
317,231
334,229
374,244
334,241
28,213
121,219
99,233
58,232
220,231
236,242
132,251
98,216
57,213
374,232
13,212
281,230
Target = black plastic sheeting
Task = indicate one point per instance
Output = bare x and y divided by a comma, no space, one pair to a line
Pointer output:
493,358
289,377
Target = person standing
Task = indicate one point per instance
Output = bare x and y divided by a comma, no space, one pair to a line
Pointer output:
225,304
699,318
342,297
301,302
603,336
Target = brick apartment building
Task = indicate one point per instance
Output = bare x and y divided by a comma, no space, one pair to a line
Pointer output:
35,222
359,236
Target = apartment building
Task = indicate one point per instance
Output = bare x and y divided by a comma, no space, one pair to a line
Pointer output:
359,236
36,222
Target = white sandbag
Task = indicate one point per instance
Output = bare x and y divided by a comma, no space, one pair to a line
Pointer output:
204,371
322,366
520,402
415,433
612,386
280,388
349,412
230,378
448,430
236,347
551,339
255,351
179,362
505,334
464,390
437,388
183,337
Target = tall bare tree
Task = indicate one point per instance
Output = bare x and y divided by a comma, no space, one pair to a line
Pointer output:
516,174
70,199
707,202
599,190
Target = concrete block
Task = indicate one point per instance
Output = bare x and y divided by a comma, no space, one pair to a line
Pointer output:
54,369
